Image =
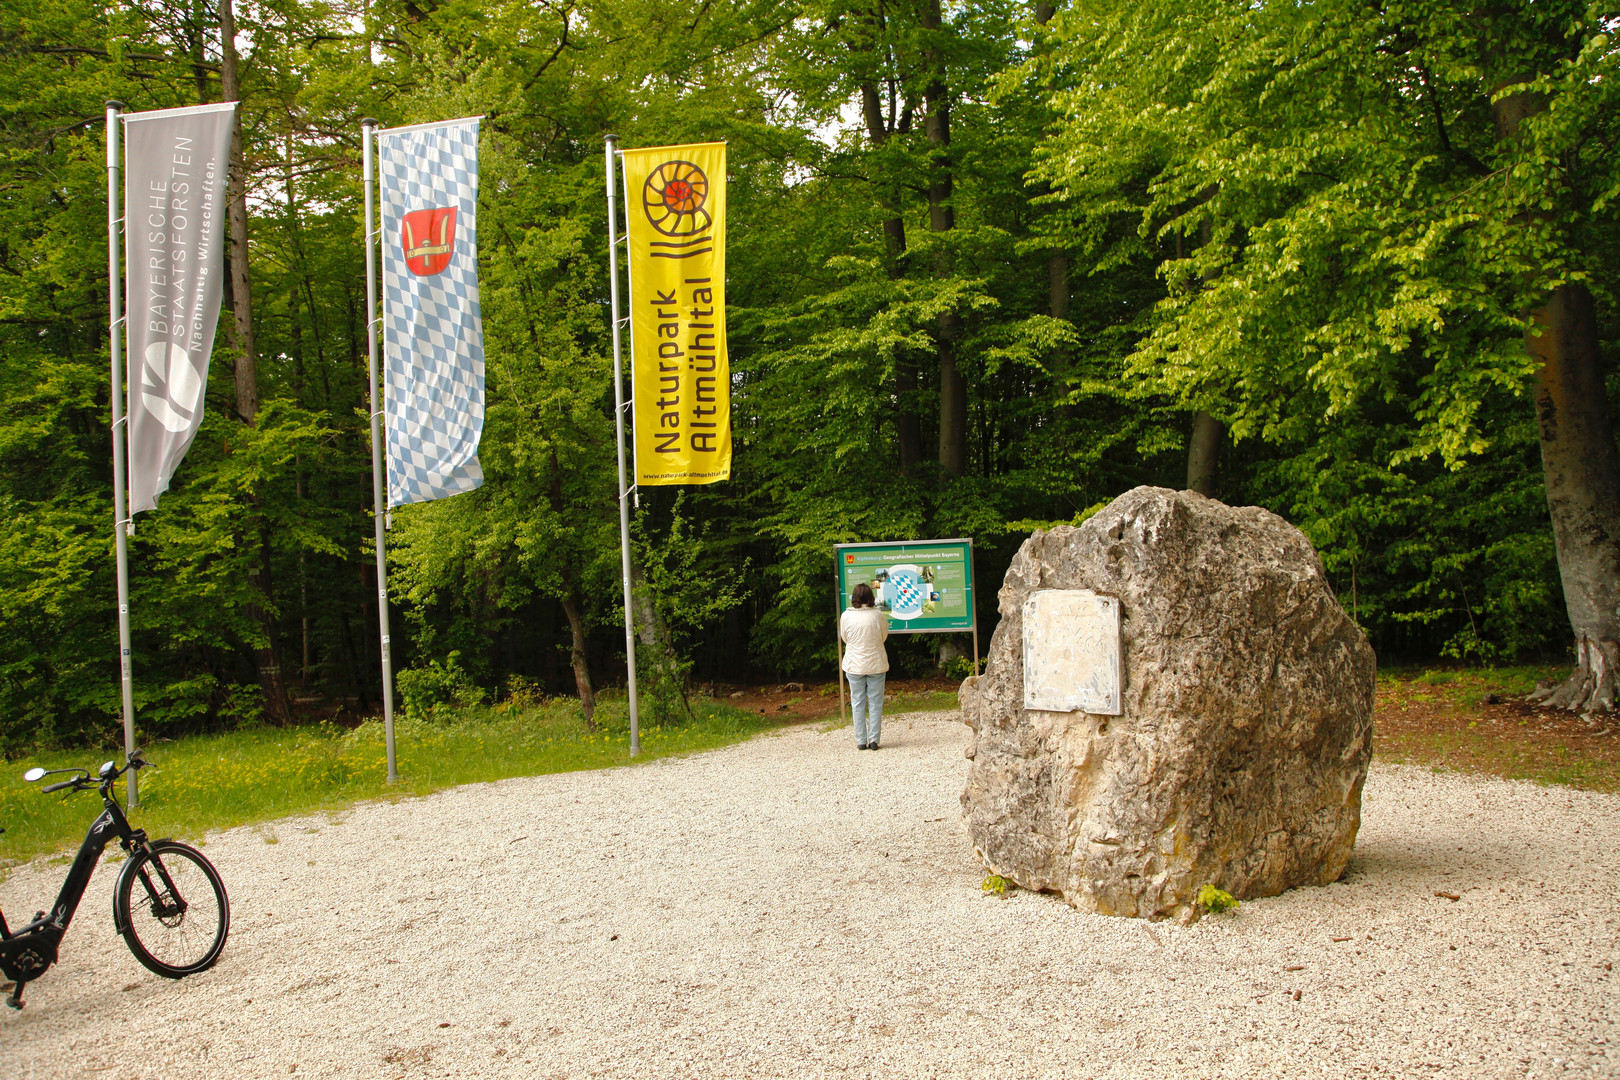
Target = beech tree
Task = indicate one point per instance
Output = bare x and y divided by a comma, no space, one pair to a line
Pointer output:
1395,191
1540,65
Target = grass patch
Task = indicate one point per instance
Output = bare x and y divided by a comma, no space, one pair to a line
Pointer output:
1465,688
921,701
242,777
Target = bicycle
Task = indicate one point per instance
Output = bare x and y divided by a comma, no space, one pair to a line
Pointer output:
169,904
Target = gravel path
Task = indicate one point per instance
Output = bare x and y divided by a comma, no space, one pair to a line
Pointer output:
791,907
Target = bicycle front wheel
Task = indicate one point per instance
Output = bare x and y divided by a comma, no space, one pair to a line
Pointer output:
171,908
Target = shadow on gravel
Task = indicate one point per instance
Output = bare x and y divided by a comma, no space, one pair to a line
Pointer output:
1428,858
1389,863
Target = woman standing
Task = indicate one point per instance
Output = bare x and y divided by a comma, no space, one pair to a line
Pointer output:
863,628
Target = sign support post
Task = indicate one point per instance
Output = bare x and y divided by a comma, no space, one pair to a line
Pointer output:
838,640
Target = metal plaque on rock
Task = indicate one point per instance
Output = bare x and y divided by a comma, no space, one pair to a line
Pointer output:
1072,652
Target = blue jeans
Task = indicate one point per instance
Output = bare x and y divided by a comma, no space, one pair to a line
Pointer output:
866,702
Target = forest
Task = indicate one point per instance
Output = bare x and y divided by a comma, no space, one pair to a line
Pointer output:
992,264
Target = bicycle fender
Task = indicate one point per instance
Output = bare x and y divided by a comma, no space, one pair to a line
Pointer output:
119,922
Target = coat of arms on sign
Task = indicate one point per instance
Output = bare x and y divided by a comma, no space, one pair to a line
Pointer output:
429,239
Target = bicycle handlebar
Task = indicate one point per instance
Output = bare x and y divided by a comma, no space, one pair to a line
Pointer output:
85,780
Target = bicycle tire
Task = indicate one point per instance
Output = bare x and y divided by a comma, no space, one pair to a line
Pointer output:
171,908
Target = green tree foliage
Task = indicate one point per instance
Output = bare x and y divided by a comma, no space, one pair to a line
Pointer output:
1369,244
1370,234
985,266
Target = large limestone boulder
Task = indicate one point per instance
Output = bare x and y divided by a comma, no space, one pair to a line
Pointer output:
1244,702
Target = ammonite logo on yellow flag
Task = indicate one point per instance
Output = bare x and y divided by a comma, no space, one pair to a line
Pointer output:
677,236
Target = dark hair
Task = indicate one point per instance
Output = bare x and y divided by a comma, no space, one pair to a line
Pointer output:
861,596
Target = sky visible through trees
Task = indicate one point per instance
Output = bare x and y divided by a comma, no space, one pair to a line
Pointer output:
990,266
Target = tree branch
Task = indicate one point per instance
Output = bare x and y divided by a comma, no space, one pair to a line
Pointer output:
82,50
562,43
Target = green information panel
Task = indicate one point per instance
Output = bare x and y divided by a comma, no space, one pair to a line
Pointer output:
924,586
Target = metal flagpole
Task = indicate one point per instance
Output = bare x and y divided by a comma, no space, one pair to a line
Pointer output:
612,153
120,430
368,133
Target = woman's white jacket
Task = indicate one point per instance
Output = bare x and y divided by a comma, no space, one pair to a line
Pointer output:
863,630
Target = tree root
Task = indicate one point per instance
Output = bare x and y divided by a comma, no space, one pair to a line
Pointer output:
1594,684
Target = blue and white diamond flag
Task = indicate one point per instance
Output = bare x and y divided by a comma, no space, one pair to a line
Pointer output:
433,336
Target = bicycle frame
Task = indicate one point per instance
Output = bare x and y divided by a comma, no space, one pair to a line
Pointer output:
26,954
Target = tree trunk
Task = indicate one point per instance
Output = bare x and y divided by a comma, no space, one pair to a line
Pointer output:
953,411
266,658
1582,474
908,426
657,662
1057,283
1203,453
196,34
1057,287
240,292
651,632
1208,434
576,619
1580,466
303,590
362,657
576,655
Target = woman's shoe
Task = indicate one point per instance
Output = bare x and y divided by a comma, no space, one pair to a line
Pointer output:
860,746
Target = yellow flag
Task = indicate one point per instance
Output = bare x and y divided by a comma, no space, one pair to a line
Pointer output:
676,212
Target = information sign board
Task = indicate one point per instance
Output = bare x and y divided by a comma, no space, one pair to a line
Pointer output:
924,586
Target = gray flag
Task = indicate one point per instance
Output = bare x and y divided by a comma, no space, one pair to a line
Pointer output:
174,221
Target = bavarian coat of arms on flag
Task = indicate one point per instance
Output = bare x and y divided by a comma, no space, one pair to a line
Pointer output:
433,338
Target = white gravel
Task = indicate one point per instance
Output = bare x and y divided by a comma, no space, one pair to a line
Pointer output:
792,907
